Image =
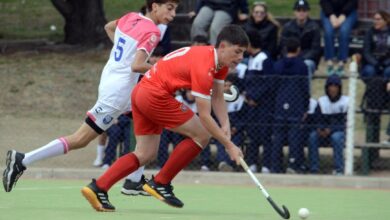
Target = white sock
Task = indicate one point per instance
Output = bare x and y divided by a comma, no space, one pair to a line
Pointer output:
136,175
100,151
57,147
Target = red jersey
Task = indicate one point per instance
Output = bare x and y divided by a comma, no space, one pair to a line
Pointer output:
193,68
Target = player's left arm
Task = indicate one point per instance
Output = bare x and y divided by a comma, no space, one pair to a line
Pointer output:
140,64
110,29
219,106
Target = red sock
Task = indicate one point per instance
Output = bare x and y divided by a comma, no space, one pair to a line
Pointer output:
181,156
122,167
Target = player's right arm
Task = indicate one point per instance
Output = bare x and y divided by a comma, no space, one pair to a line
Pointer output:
110,29
140,64
204,109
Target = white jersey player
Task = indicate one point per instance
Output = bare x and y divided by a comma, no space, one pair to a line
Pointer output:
134,37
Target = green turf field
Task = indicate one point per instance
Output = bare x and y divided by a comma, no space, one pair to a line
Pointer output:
59,199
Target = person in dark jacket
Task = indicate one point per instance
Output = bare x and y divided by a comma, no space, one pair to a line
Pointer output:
331,118
259,103
338,15
263,22
308,31
291,104
216,14
376,48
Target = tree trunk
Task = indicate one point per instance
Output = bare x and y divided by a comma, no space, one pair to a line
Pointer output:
84,21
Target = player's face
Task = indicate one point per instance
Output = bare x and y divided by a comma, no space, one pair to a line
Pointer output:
231,55
165,13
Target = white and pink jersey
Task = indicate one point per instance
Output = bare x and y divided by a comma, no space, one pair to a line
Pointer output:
134,32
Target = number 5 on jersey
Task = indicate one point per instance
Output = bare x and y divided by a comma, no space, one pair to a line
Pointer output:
119,49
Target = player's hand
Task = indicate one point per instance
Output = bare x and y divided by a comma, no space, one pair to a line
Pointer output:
235,153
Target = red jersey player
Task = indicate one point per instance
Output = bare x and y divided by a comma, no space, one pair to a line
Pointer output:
202,69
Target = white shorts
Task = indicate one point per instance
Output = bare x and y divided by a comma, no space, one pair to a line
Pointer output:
104,115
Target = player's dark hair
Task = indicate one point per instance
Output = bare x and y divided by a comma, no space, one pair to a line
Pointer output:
149,3
292,44
233,34
255,39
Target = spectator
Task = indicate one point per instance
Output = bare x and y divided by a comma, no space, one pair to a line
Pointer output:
331,114
291,103
307,31
216,14
338,15
118,133
259,103
262,21
376,49
376,74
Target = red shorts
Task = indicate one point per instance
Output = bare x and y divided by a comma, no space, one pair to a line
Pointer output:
153,111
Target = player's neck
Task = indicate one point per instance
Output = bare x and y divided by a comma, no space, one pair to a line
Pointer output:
152,17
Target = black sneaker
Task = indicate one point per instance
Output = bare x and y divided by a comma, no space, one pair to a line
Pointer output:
14,169
131,188
97,198
163,193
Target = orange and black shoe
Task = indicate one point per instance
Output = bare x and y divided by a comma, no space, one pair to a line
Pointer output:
97,198
163,193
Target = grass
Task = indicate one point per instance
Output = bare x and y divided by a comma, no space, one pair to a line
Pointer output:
60,199
24,19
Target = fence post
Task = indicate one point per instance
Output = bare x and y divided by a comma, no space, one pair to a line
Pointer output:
348,170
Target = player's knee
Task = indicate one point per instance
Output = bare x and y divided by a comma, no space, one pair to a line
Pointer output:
203,139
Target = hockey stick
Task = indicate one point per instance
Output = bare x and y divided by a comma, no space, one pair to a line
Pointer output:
283,213
233,96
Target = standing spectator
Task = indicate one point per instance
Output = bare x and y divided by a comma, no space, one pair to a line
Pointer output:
331,117
262,21
291,104
376,48
338,15
307,31
259,103
216,14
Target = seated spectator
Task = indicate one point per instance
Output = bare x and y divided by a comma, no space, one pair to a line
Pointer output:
258,86
216,14
307,31
376,48
263,22
338,15
331,117
292,95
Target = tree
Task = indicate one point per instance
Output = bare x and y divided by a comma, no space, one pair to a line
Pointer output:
84,21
